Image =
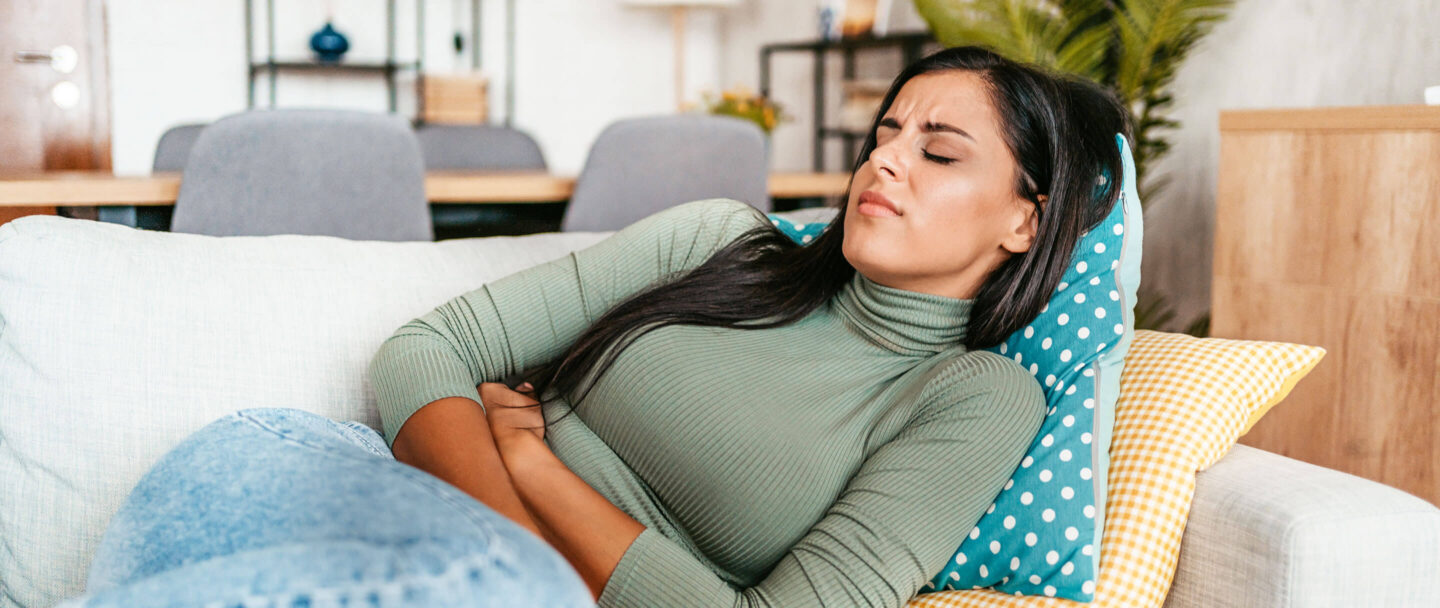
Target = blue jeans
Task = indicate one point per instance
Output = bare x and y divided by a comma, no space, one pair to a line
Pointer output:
282,507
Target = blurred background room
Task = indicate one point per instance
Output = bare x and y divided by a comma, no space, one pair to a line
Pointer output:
512,102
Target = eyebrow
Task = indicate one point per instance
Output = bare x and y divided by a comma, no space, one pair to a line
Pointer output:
930,127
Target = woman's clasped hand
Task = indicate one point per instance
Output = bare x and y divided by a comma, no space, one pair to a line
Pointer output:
511,413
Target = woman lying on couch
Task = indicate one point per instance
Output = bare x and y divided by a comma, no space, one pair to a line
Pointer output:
699,412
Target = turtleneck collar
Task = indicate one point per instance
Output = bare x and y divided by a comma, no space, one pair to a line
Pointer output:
906,322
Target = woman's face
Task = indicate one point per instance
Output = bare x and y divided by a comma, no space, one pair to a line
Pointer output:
934,209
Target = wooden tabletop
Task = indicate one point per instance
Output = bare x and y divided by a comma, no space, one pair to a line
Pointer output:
101,189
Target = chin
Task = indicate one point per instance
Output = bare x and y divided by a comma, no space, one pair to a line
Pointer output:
861,258
849,244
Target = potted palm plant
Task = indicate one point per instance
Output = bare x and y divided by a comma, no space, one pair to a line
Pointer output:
1134,47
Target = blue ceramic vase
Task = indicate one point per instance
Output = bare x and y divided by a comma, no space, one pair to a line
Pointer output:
329,45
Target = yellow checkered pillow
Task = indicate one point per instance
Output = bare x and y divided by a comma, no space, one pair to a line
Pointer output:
1183,402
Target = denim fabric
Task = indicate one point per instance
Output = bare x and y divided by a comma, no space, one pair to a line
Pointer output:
283,507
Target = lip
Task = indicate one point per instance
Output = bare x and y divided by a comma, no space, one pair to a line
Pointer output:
875,204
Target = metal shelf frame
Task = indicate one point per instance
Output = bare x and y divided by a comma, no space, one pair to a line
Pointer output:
271,66
911,44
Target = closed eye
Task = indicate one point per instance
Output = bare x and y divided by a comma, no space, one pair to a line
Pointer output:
938,159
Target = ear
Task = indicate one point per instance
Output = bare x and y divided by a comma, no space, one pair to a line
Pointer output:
1026,224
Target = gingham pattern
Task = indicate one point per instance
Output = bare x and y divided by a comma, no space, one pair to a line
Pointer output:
1183,402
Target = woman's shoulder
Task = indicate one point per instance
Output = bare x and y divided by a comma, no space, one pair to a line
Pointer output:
711,216
685,235
960,375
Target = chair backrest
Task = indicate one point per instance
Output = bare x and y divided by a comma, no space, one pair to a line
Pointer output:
478,147
345,173
174,147
643,165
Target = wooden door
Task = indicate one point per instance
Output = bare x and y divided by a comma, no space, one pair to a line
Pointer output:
54,100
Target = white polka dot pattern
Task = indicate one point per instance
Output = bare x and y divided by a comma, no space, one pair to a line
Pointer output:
799,232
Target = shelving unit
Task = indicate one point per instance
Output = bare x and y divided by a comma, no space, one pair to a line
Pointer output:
388,68
911,44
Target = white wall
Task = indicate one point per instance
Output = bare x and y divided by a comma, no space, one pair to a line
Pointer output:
581,64
585,63
171,62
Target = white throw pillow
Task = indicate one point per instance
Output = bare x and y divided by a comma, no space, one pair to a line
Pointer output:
116,343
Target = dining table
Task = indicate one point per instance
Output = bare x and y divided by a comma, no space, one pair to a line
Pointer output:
115,197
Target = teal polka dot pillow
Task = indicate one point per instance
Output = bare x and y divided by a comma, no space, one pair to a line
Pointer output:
799,230
1042,534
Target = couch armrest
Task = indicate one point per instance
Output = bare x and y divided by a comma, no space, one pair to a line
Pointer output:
1266,530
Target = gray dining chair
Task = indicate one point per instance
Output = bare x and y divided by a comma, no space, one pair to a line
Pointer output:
174,147
481,148
639,166
478,147
344,173
170,154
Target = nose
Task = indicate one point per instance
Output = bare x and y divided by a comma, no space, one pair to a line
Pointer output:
887,162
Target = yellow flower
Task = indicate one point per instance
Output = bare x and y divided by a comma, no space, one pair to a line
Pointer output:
741,103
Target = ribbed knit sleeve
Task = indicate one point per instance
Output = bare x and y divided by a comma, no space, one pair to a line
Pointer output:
899,518
530,317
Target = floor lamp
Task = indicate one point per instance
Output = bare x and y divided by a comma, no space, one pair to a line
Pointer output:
677,20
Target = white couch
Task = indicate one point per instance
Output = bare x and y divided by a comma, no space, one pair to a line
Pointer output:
115,343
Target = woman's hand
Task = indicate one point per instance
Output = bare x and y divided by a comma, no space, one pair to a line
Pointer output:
518,430
579,522
511,414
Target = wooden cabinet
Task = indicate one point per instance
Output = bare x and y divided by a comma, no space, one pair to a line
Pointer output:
1328,233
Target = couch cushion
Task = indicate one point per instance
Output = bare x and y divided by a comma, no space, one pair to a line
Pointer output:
116,343
1266,530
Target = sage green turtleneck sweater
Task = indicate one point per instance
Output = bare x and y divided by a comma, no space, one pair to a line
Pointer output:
837,461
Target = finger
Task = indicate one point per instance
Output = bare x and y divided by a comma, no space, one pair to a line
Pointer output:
514,399
495,392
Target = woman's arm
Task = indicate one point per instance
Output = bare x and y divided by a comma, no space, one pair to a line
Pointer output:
587,529
450,439
519,321
530,317
583,525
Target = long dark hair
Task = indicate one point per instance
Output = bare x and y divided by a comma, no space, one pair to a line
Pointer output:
1060,130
